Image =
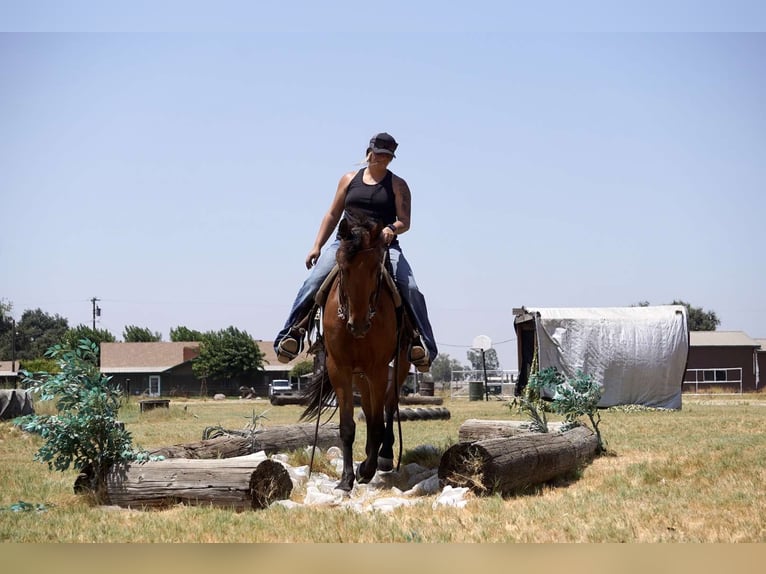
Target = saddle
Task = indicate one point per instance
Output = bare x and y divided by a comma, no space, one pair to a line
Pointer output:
321,296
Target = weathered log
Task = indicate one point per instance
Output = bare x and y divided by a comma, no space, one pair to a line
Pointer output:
283,438
508,464
238,483
420,400
473,430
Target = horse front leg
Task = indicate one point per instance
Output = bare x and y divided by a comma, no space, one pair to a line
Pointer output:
372,405
347,432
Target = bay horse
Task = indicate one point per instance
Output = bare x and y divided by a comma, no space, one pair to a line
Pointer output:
361,338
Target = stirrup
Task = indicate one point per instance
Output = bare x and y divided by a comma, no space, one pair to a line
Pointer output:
418,356
290,345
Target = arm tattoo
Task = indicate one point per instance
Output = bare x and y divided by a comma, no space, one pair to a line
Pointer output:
404,192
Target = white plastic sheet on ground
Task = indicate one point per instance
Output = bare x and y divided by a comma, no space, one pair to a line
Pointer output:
638,353
385,492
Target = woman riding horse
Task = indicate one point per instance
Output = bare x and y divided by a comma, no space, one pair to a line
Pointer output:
381,195
361,336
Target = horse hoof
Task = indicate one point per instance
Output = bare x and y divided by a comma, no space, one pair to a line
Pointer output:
385,464
344,486
363,479
363,476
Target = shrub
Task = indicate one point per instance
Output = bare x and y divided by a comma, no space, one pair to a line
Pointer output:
572,398
84,433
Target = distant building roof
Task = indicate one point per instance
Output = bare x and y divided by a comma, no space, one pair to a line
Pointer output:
159,357
762,343
721,339
145,357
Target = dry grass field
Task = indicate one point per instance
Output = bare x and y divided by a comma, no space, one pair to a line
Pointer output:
694,475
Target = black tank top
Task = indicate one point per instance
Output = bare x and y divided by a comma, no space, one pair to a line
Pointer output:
376,201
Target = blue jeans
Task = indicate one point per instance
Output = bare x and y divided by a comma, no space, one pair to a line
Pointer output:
403,277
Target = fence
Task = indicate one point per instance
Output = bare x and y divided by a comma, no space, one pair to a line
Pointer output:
725,376
499,383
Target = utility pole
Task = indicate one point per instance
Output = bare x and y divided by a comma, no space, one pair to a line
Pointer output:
96,311
13,345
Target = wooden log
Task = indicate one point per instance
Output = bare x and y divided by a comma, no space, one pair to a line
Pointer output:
235,483
508,464
473,430
283,438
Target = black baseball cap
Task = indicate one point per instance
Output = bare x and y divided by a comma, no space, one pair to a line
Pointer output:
383,143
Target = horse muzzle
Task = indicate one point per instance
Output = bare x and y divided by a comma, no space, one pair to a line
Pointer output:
358,329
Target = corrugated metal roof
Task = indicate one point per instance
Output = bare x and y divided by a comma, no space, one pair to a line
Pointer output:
721,339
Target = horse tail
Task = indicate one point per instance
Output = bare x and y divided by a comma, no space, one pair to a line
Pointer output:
319,396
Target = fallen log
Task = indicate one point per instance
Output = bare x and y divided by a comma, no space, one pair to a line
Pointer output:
283,438
238,483
508,464
473,430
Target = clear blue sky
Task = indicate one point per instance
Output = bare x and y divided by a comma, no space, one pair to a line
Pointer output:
176,164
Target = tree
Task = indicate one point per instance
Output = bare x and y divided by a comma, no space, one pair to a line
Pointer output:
6,328
84,432
37,331
698,318
227,354
442,367
302,368
133,334
490,359
185,335
74,335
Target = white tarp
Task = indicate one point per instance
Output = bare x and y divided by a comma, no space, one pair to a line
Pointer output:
637,353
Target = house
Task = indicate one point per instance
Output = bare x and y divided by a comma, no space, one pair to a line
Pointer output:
760,363
152,368
637,354
166,369
721,359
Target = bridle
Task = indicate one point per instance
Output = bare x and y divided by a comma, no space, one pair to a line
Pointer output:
343,298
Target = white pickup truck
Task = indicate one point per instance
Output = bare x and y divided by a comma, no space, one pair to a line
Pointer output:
280,387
